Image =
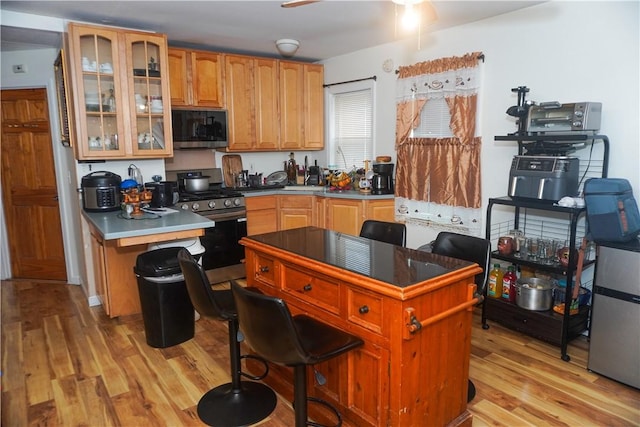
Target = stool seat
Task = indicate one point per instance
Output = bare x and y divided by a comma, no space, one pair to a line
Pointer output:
238,403
296,341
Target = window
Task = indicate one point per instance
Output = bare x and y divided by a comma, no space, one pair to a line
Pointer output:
350,124
434,120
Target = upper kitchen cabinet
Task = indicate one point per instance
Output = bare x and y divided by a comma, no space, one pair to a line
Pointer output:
196,78
120,93
302,106
251,85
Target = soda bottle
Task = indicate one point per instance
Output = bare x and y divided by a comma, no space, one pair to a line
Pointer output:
494,289
509,284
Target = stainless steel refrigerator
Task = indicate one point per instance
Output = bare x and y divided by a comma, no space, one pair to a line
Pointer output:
614,349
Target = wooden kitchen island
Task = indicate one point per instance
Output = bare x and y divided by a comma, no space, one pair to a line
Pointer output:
413,309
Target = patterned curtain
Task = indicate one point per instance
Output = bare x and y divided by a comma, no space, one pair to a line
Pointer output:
438,179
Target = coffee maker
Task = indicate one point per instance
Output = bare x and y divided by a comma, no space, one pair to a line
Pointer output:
382,182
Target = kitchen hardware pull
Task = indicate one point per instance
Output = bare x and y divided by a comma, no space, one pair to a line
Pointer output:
264,269
364,309
307,287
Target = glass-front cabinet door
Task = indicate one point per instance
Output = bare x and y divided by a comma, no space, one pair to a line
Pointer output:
121,93
149,97
98,94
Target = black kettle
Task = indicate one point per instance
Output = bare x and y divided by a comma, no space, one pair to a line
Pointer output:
163,193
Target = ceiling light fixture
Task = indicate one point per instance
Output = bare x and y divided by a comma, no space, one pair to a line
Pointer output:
287,47
416,12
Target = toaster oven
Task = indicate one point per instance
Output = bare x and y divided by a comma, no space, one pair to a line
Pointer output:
556,117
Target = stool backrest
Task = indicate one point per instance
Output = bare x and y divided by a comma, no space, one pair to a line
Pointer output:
468,248
206,301
383,231
268,327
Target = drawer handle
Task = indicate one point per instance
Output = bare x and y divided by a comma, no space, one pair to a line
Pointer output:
264,269
364,309
307,287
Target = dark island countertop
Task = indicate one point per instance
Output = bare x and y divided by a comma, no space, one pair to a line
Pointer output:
393,265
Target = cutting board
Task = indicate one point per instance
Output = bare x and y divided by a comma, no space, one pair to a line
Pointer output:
231,167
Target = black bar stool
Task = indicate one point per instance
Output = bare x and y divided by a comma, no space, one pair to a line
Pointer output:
238,403
288,340
383,231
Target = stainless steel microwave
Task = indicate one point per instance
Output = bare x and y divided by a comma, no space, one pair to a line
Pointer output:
199,128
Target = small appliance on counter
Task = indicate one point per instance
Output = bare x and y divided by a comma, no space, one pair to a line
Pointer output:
557,117
163,193
382,181
101,191
543,177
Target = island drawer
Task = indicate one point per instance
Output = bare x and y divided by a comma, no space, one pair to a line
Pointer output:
316,289
265,269
365,310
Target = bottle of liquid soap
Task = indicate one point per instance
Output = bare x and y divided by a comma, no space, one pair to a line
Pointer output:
494,287
292,170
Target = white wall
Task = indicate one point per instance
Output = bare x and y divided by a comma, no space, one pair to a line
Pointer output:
564,51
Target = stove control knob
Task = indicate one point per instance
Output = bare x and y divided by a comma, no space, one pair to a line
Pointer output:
184,207
579,113
237,202
227,202
195,207
211,204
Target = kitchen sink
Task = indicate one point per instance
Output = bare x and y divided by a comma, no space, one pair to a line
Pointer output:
304,188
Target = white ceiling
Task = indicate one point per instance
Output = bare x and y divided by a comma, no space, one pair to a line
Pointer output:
325,29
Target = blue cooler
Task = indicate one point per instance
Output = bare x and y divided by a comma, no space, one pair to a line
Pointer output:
612,211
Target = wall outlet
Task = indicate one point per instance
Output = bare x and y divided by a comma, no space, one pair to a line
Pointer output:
19,68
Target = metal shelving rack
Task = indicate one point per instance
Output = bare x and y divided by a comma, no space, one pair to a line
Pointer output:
555,328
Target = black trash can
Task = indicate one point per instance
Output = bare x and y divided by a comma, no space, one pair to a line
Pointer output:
167,311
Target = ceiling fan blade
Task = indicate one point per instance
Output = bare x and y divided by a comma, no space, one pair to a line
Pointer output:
296,3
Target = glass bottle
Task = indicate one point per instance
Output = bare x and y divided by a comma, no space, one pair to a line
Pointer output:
292,170
509,284
494,288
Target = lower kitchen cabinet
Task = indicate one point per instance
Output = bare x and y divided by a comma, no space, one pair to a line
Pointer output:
344,215
295,211
262,216
281,212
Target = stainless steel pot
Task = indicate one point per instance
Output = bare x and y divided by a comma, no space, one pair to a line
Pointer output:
534,293
193,184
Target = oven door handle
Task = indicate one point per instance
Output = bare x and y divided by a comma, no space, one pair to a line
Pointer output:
242,219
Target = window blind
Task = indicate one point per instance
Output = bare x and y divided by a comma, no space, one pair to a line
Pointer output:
352,128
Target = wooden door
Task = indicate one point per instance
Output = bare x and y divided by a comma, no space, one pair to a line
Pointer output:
207,79
29,190
179,77
240,102
313,106
291,105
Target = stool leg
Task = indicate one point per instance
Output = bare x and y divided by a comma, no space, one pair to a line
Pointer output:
300,394
238,403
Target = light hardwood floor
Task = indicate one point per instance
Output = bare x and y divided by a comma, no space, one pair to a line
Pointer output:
67,364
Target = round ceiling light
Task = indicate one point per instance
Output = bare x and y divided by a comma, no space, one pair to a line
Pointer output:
287,47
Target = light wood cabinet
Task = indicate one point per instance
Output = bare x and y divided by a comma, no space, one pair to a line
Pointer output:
295,211
347,215
381,210
252,101
196,78
344,215
302,106
261,214
120,92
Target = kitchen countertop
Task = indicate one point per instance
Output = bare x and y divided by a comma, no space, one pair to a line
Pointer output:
111,225
316,191
396,266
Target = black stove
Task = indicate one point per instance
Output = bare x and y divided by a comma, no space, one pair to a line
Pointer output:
217,200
